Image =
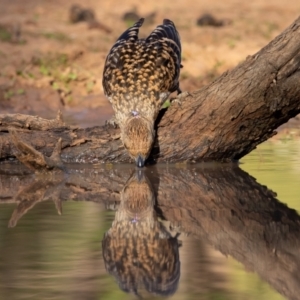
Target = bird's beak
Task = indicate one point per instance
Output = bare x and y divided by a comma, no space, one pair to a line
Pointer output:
139,175
140,162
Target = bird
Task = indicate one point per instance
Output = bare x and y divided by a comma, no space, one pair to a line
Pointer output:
138,250
138,77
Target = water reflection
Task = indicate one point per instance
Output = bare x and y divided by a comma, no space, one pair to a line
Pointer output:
138,250
221,206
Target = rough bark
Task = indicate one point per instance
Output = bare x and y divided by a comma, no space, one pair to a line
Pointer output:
223,121
221,205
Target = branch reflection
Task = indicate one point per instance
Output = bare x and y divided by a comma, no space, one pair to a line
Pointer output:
220,205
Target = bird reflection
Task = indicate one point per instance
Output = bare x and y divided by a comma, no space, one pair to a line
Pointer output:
138,250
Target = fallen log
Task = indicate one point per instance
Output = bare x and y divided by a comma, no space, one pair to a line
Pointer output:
223,121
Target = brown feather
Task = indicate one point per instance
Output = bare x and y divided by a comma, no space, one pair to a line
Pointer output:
139,75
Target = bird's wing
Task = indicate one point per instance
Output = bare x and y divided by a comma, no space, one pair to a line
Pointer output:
166,39
143,69
167,33
130,36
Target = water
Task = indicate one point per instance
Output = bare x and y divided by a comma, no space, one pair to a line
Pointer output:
233,238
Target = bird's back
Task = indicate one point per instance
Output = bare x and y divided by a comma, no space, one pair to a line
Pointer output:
139,74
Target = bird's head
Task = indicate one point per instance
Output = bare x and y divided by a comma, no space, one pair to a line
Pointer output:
138,136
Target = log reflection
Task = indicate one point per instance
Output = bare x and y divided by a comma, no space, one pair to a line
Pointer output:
220,205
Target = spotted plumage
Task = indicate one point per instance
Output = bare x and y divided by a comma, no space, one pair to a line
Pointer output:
137,250
138,77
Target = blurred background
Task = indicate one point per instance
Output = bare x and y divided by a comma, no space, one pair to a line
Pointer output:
52,52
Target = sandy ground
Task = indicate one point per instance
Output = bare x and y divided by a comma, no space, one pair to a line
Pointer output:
47,63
